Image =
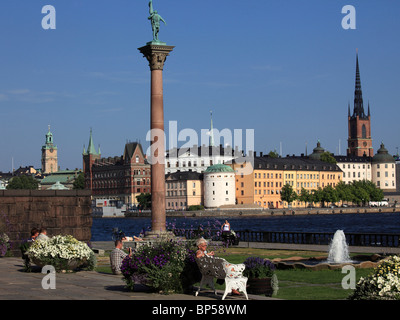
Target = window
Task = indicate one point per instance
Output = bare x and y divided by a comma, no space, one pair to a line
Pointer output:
137,159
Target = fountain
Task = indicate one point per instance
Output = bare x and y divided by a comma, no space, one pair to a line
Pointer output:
338,249
338,256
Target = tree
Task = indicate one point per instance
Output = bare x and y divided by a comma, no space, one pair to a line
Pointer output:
23,182
344,192
79,183
328,157
288,194
273,154
329,195
359,192
144,200
305,196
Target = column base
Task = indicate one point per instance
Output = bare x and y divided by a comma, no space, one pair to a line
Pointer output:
161,235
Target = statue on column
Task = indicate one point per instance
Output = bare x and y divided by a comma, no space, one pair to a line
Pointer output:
155,19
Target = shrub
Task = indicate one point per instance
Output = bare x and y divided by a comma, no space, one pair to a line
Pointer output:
383,284
166,266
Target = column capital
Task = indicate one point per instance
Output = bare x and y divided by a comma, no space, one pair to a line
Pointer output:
156,55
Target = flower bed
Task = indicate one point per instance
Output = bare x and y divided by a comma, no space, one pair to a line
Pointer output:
166,266
383,284
62,252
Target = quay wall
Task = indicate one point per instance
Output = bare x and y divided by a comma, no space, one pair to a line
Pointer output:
60,211
233,212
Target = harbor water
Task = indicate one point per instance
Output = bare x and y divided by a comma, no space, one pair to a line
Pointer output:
102,228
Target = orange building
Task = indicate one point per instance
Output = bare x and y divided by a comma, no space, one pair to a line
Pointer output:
263,186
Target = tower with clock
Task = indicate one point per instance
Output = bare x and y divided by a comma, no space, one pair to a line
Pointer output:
359,141
49,155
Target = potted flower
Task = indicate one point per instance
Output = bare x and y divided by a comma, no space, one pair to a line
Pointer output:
62,252
4,244
261,276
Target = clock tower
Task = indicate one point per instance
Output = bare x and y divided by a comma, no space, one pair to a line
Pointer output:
49,155
359,141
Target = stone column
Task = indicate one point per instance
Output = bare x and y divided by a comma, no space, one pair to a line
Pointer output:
156,55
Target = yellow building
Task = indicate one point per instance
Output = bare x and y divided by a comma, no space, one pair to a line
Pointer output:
183,189
263,186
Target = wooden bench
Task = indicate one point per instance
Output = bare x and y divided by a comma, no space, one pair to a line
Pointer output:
217,268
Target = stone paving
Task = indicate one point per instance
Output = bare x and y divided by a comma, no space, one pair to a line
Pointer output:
15,284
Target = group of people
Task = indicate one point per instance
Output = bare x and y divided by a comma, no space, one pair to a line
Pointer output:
38,234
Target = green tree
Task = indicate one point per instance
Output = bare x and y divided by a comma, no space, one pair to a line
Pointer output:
344,192
329,195
23,182
359,192
144,200
305,196
288,194
79,183
328,157
273,154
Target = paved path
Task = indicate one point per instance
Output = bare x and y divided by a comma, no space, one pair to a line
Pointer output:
15,284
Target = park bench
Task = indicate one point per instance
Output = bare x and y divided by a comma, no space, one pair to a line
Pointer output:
217,268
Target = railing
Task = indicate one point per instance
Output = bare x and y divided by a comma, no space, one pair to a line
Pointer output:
320,238
312,238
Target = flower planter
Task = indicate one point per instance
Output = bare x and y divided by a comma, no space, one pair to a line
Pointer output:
260,286
70,265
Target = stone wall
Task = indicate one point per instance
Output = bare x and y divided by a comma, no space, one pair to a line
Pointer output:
60,211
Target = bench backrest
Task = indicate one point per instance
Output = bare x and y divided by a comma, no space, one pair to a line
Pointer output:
212,266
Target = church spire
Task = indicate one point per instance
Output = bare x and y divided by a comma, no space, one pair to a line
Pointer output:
91,149
358,99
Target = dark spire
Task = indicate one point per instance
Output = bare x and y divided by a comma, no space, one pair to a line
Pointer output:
358,99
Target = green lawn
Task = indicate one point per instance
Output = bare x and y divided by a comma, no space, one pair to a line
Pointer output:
298,284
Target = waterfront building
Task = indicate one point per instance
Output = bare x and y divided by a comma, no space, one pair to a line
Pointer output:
49,155
263,187
359,123
199,158
384,170
219,186
184,189
355,168
120,178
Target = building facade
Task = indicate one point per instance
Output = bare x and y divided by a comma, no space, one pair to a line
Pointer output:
184,189
384,170
120,178
198,159
219,186
263,187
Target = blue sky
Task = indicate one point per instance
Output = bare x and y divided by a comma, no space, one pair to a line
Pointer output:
283,68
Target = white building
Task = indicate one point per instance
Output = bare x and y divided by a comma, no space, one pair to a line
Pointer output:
384,170
355,168
219,186
198,159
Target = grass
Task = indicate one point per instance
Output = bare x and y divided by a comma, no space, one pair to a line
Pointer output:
297,284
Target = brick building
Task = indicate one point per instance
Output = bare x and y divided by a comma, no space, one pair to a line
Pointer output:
117,178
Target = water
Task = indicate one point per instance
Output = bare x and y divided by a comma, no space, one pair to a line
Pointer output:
338,249
349,223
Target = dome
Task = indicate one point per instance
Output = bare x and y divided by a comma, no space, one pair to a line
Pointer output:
316,155
219,168
383,156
